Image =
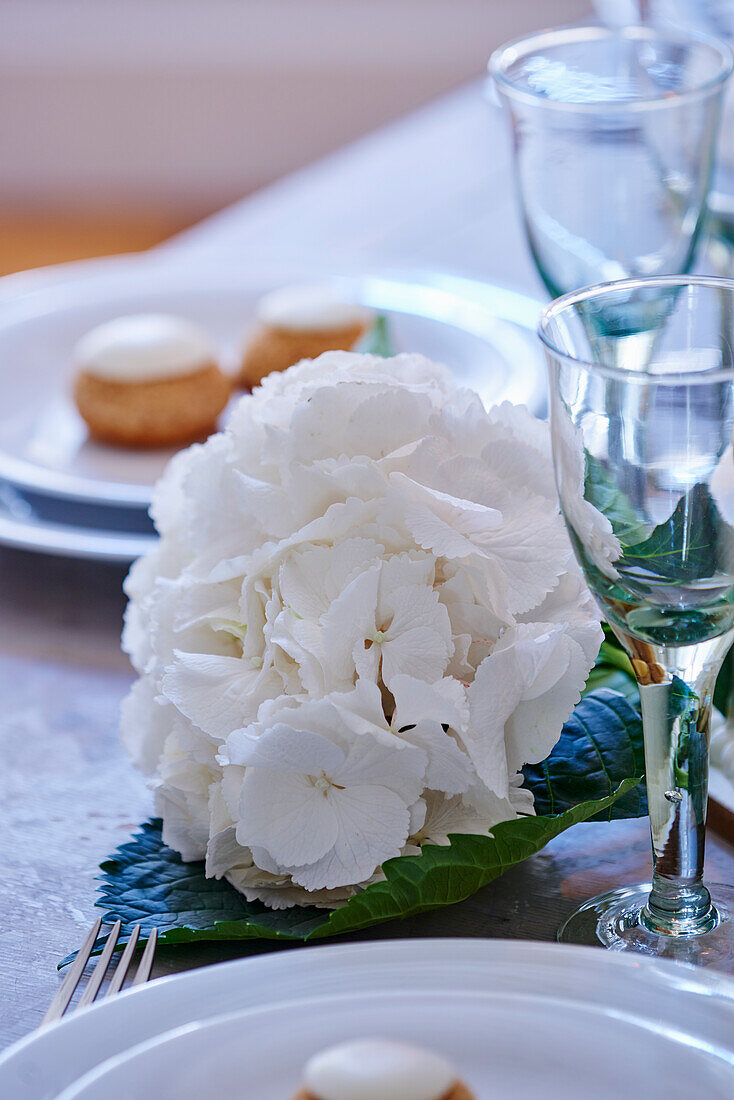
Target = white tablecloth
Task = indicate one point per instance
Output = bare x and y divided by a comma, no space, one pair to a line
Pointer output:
431,191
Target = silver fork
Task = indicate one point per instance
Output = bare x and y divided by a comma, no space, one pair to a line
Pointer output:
60,1003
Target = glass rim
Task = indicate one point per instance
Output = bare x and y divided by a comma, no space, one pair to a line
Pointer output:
505,55
599,290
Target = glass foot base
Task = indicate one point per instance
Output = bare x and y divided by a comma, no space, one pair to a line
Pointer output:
612,920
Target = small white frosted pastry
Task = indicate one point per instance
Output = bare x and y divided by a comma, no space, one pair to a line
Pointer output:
308,308
380,1069
144,347
148,380
300,322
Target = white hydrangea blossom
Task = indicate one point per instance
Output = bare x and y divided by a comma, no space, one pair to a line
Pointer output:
362,618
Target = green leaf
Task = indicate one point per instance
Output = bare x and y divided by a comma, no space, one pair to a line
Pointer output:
613,670
439,876
601,490
724,685
148,884
602,741
683,548
683,711
607,676
378,341
611,653
444,875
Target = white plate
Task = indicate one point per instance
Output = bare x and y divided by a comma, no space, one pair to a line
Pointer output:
485,334
696,1007
503,1045
23,527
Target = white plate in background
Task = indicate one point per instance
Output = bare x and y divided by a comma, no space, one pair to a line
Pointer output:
65,528
485,334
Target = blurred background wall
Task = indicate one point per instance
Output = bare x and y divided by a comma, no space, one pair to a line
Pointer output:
139,116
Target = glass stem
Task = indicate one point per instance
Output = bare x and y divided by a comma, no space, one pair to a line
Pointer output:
676,689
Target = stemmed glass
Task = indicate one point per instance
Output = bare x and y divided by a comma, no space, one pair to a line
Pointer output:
642,447
614,133
711,17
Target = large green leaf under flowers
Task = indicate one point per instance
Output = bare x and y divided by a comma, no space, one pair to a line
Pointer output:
601,741
594,772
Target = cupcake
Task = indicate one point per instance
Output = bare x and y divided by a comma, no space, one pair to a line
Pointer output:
299,322
380,1069
148,380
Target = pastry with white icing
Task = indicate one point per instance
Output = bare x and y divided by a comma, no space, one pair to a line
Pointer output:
380,1069
299,322
148,380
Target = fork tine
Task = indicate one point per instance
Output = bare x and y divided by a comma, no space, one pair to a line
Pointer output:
146,963
66,990
101,968
124,964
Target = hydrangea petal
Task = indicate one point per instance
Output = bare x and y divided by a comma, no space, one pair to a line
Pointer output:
373,826
274,807
218,694
285,748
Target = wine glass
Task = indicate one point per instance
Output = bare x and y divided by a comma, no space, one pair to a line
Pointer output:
642,448
711,17
614,134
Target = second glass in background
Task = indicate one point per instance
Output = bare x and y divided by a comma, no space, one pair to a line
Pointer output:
710,17
614,135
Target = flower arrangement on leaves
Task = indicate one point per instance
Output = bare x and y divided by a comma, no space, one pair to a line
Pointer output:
362,619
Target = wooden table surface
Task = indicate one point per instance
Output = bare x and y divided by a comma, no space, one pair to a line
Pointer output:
430,191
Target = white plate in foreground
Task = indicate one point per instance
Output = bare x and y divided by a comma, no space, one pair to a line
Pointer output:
485,334
503,1045
695,1007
